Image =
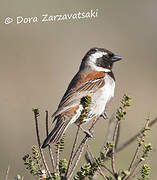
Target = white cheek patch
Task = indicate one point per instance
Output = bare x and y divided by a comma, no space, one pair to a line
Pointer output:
107,70
97,55
92,61
96,68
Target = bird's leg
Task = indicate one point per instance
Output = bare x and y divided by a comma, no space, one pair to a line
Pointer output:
104,115
87,132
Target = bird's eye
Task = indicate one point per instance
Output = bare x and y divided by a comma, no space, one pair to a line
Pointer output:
110,55
105,57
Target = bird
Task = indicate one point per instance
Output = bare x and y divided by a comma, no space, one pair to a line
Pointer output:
94,78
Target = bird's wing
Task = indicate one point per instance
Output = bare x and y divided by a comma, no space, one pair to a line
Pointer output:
79,87
63,121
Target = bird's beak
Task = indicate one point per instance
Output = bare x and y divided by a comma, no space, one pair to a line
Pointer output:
116,58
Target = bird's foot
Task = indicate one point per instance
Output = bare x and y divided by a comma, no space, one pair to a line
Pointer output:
104,115
87,132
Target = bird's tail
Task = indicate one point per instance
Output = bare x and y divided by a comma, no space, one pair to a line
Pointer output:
56,133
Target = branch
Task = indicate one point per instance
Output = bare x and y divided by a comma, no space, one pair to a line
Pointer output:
134,158
72,152
132,139
36,114
57,159
135,167
90,158
49,147
109,133
93,158
78,153
118,135
113,150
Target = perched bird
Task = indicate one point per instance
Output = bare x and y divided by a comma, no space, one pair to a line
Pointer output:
94,78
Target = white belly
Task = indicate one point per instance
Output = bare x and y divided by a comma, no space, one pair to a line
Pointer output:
102,96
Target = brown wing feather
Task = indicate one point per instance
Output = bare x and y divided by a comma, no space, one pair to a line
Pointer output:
57,131
63,121
75,92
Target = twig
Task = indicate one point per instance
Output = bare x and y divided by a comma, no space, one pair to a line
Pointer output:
101,173
57,160
99,168
86,137
118,135
107,169
7,173
109,133
90,158
49,147
134,157
128,142
135,174
36,114
72,152
135,167
78,153
113,150
141,140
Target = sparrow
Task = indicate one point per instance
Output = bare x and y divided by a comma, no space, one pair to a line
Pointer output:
94,78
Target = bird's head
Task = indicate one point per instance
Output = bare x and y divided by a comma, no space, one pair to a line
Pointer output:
100,59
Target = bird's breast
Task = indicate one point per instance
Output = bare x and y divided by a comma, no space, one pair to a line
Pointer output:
101,97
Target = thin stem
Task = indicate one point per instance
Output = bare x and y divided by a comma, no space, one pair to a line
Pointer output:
136,152
49,147
7,173
73,149
135,174
109,133
78,152
134,157
86,137
101,173
132,139
113,150
135,167
107,169
93,158
118,135
39,144
57,159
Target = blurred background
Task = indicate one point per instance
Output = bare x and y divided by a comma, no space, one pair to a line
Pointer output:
37,61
